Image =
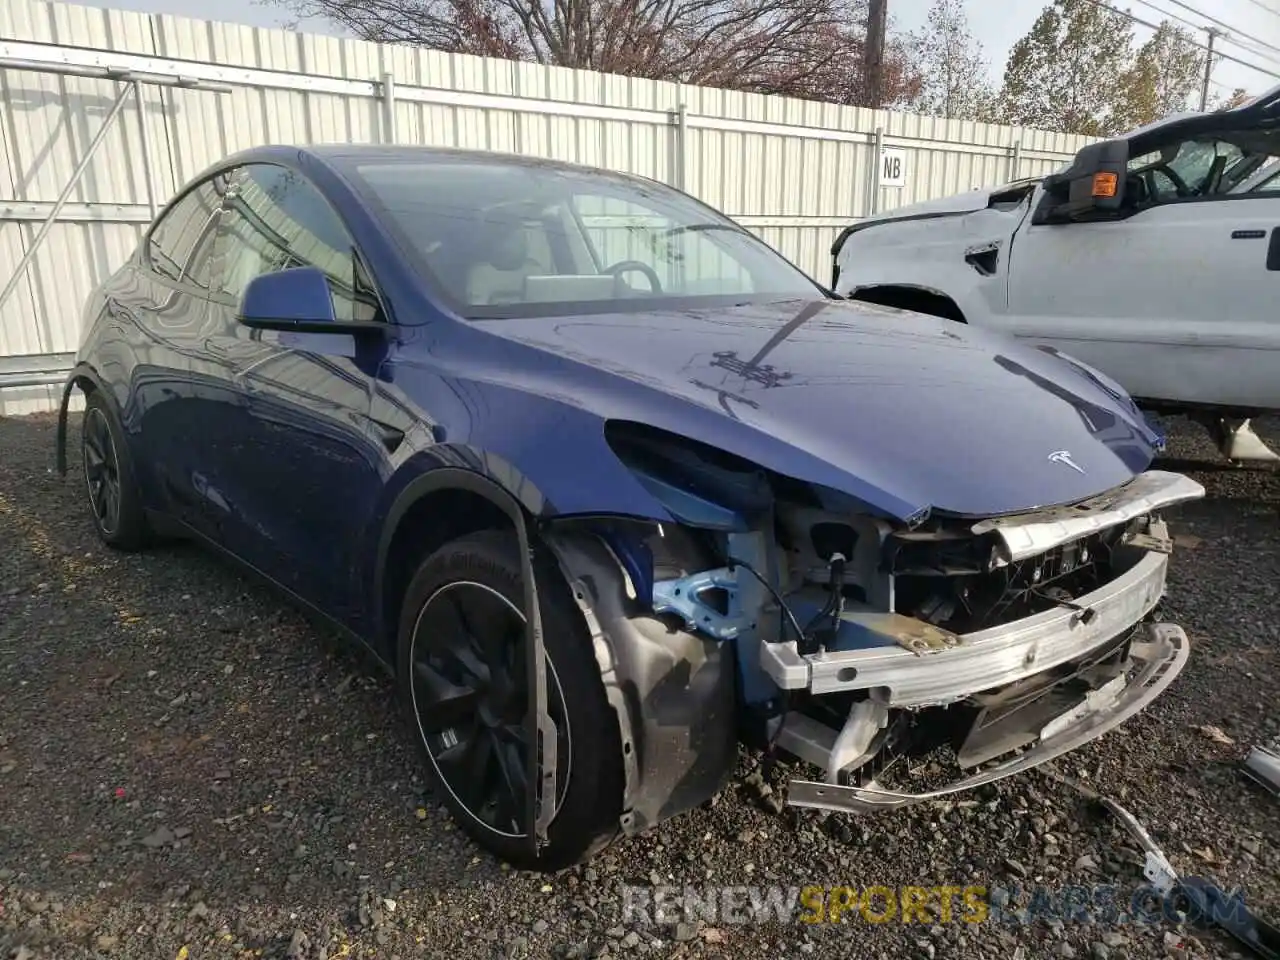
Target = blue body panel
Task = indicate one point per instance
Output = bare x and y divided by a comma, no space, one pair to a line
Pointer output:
291,449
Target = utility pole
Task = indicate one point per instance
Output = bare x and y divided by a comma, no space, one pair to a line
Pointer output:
873,53
1213,33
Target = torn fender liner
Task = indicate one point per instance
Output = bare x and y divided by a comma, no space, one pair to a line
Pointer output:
1161,655
673,691
62,424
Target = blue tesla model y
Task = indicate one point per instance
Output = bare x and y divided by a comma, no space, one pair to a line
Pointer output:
610,486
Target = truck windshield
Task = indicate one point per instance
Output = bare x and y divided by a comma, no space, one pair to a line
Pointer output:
509,239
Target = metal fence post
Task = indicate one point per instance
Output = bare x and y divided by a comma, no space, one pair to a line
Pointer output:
1015,161
76,174
873,180
141,104
389,107
679,120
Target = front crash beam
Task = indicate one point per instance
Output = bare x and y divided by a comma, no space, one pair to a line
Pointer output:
1160,651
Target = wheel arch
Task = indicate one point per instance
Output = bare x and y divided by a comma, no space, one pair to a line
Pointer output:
673,693
84,377
433,508
913,297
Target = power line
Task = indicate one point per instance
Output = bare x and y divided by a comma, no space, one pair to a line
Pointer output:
1230,39
1216,53
1271,10
1172,16
1204,16
1257,51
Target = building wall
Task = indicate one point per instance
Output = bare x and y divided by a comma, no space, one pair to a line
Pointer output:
793,171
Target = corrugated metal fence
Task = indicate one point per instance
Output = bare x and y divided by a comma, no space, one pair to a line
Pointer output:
177,94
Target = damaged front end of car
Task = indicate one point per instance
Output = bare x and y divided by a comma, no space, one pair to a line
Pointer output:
870,646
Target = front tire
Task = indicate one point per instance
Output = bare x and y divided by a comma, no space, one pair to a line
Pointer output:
460,668
115,502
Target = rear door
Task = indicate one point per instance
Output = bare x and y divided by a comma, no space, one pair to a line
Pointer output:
309,467
160,305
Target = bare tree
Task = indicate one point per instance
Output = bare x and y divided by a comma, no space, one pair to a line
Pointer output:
806,48
951,66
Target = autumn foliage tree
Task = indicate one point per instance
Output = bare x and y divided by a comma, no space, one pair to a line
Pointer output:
1163,79
1065,74
1076,71
1237,98
803,48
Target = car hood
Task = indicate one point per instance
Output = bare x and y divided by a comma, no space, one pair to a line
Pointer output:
956,205
904,411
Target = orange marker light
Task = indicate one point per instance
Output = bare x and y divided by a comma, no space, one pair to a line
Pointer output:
1105,184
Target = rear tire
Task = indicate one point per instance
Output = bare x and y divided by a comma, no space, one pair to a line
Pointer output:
115,502
460,659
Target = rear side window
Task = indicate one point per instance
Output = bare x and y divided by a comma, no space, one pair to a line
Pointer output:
179,248
275,219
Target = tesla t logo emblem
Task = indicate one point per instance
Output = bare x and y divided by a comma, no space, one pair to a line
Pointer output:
1064,457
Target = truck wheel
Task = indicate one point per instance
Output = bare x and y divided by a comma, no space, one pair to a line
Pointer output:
460,668
907,298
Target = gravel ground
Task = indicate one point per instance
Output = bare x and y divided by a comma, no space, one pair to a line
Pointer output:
189,770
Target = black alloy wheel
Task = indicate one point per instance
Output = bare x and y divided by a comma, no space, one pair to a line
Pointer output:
101,471
461,671
115,501
470,699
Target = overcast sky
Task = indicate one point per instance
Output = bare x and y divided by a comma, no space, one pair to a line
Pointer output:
997,24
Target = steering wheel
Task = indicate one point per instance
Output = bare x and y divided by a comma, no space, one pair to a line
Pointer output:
628,266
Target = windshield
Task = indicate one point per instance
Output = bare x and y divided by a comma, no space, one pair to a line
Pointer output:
503,240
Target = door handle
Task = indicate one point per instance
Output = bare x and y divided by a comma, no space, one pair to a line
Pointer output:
118,311
1273,250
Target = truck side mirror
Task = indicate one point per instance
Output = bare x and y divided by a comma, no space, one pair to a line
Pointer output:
1092,188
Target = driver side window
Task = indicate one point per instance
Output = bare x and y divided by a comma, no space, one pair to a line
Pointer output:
1200,167
274,219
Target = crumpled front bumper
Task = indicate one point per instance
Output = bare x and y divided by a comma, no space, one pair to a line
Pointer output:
1159,653
983,660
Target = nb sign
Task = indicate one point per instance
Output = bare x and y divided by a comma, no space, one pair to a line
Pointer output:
893,167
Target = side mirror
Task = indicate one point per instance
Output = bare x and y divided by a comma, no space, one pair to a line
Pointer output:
1092,188
297,300
286,298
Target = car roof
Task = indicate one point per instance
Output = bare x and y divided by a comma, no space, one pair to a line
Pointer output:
344,154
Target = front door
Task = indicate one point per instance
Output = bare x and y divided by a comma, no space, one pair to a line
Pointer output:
308,472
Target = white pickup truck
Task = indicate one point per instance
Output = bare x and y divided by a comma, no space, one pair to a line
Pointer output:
1153,257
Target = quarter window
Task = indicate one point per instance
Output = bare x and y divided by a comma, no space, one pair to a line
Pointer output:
275,219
